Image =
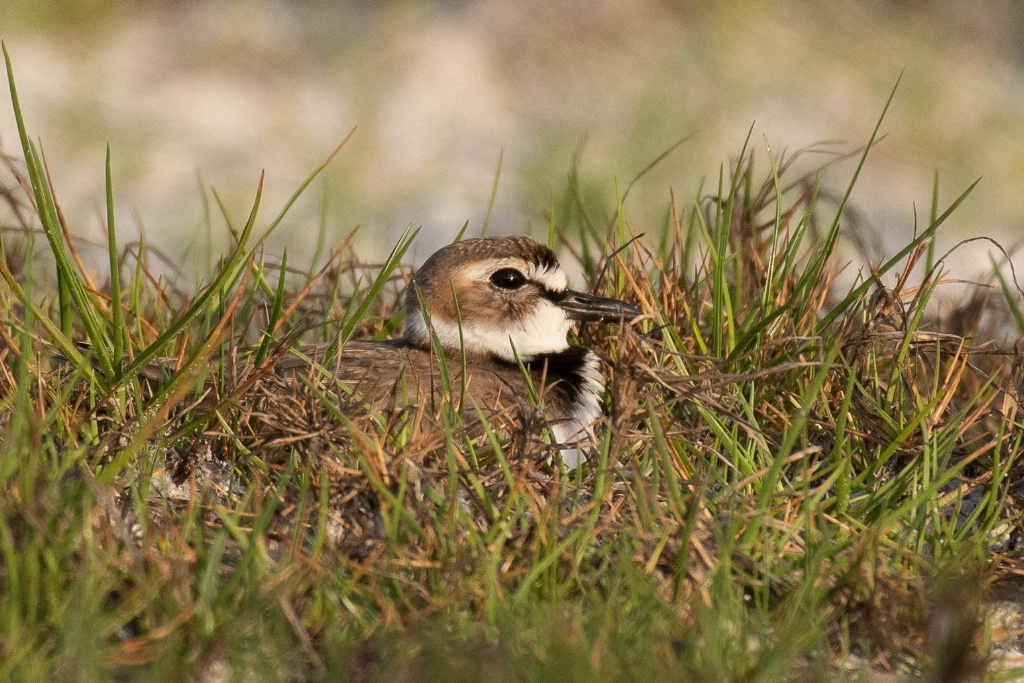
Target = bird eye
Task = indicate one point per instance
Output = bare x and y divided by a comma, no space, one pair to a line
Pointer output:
508,278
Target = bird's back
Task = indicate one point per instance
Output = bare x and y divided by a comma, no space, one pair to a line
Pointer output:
392,375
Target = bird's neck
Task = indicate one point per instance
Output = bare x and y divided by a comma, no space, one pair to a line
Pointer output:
522,342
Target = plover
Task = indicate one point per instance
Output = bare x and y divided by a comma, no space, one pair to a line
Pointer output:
500,309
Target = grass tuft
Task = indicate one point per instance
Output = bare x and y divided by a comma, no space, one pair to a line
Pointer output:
796,478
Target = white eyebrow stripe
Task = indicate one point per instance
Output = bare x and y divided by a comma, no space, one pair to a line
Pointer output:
551,278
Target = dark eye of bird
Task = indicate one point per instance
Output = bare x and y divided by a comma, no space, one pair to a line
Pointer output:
508,278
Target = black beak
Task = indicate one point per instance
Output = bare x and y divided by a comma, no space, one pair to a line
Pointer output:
596,309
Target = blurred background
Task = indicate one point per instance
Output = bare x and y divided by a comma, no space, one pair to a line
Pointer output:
192,95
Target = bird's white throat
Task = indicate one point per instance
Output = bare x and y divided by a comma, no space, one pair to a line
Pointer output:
542,332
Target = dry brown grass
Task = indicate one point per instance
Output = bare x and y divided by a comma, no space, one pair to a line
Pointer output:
785,477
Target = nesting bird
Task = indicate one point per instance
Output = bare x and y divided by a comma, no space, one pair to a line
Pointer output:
499,309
